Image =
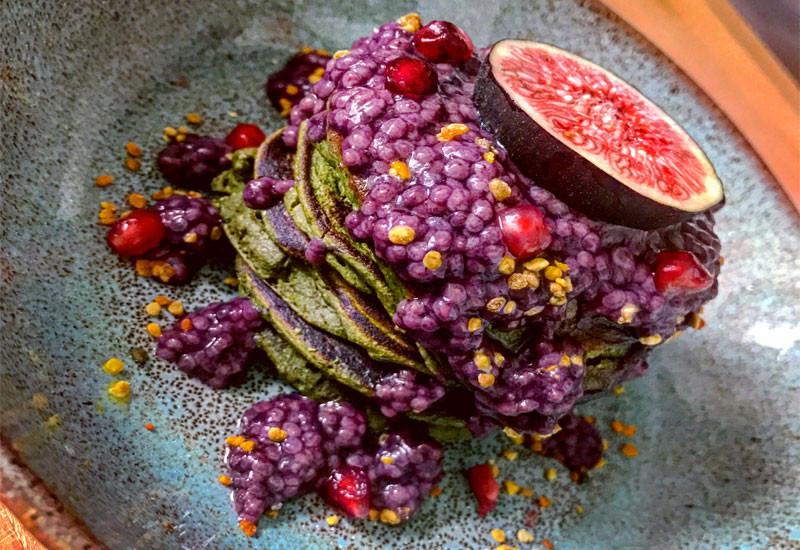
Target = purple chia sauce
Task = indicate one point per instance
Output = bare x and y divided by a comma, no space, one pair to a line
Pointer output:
448,207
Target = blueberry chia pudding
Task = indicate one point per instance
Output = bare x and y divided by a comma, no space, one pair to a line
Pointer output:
442,239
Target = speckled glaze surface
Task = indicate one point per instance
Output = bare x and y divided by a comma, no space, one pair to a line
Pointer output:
718,416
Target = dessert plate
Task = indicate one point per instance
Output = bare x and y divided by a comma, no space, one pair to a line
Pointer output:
718,416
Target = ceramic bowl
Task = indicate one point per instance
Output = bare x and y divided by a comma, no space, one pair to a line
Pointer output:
717,416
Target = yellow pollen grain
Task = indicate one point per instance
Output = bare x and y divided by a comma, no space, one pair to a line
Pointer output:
499,189
153,309
452,131
104,180
488,156
551,273
495,304
499,358
435,491
276,434
629,450
230,281
536,264
137,200
511,487
498,535
183,129
332,520
506,547
544,502
194,118
523,535
247,527
154,330
517,281
234,440
600,464
190,237
486,379
317,75
133,150
224,480
652,340
579,509
401,234
285,105
248,446
526,492
604,443
510,454
432,260
120,389
617,426
132,164
162,300
164,193
389,516
550,474
113,366
507,265
340,53
510,307
495,470
399,169
561,265
410,22
291,89
564,361
216,233
619,390
577,360
514,435
176,308
482,361
474,324
387,460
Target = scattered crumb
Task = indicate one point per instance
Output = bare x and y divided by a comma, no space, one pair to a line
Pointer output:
629,450
523,535
132,164
104,180
113,366
511,455
133,150
194,119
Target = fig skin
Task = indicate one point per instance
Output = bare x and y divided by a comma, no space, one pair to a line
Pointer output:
551,164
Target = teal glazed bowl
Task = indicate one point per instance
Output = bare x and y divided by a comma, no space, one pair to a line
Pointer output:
718,416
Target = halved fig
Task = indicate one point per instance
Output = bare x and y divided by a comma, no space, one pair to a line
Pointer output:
592,139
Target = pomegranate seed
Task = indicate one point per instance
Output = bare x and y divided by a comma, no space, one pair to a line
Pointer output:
524,231
679,269
136,234
245,135
484,486
347,488
411,77
443,42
